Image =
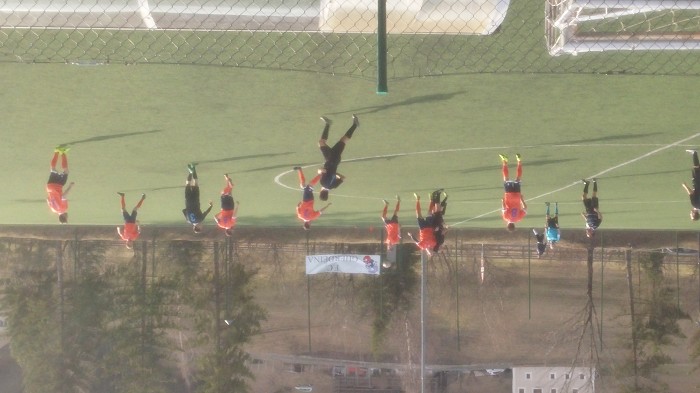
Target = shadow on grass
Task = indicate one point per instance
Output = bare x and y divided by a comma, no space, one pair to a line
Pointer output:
410,101
612,138
108,137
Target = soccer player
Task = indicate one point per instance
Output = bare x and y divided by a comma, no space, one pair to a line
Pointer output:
592,215
694,193
132,229
305,208
426,240
513,206
551,227
54,187
330,178
393,229
541,243
226,218
438,209
192,211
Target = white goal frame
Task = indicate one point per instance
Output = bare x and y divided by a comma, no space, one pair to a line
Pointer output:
563,16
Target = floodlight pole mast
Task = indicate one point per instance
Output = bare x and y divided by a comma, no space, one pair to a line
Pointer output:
422,322
382,85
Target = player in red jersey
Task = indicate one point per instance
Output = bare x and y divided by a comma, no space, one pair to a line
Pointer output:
513,206
393,229
54,187
226,218
305,208
426,238
132,229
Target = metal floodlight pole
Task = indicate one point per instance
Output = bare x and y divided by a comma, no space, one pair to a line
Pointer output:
308,295
422,322
382,85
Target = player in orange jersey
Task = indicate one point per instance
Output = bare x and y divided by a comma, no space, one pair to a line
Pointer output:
513,206
226,218
132,229
426,238
393,230
438,208
54,187
305,208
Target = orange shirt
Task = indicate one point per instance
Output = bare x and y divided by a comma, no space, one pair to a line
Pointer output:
306,212
513,209
392,233
130,232
55,199
225,219
426,239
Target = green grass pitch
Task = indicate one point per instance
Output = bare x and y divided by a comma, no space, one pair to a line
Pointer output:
134,129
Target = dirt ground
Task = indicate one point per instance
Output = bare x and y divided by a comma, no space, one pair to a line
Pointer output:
521,314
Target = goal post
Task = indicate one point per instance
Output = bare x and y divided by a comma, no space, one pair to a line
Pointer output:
580,26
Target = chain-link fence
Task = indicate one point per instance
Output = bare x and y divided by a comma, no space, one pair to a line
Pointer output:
433,37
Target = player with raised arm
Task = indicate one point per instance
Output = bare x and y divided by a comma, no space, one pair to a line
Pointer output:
305,208
694,193
132,229
330,178
513,206
56,195
192,211
391,225
226,218
592,215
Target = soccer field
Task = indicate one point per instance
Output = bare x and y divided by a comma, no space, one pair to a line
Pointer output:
134,129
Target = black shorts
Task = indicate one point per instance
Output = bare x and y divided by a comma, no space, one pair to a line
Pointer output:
393,220
57,178
129,218
425,222
511,186
590,204
192,194
552,222
226,202
332,154
308,194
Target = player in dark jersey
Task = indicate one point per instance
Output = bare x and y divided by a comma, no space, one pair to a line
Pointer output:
330,178
192,211
592,215
694,193
541,243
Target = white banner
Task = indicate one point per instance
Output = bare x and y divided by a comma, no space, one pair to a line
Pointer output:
343,263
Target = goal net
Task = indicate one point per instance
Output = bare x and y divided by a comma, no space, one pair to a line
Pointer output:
580,26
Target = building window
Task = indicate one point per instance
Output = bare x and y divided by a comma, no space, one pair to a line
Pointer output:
538,390
552,376
574,391
566,375
527,376
521,390
553,390
581,376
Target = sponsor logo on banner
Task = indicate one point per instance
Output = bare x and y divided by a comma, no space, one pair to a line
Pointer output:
343,263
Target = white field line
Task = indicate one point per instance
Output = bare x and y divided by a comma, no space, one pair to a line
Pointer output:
599,174
662,147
